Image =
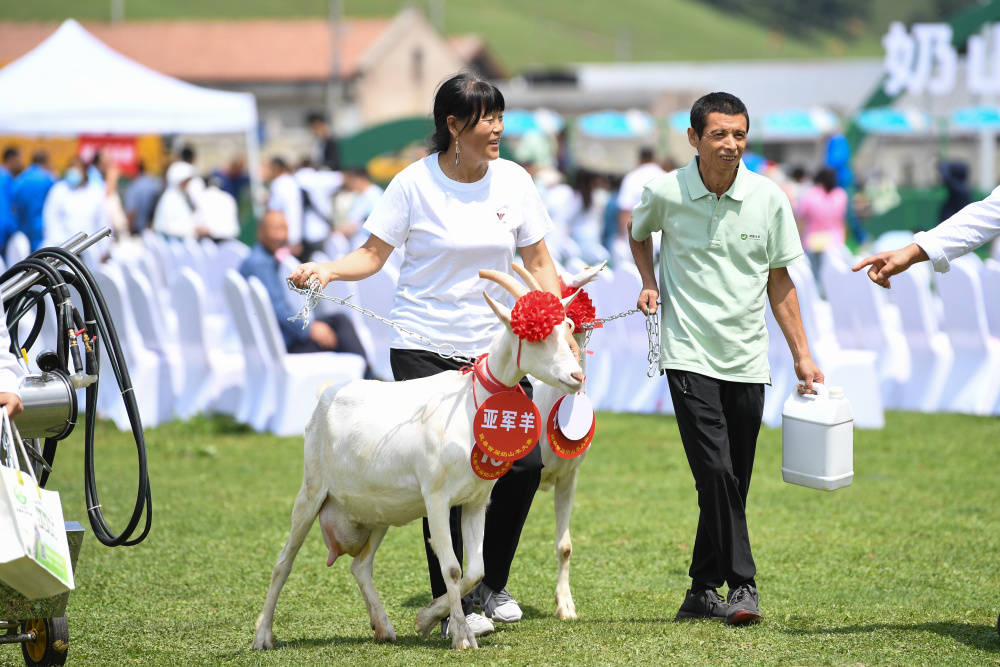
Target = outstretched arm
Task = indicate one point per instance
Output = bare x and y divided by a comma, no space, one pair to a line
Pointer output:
891,262
785,306
357,265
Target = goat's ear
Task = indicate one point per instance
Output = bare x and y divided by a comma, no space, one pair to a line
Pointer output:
502,311
586,276
568,300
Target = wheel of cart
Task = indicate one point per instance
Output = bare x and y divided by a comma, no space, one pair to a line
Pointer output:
50,644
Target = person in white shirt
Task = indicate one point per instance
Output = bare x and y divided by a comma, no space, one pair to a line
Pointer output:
971,227
316,189
73,205
174,215
459,210
216,212
630,193
366,197
286,196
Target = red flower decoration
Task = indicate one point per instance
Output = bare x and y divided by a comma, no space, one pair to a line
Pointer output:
581,311
535,315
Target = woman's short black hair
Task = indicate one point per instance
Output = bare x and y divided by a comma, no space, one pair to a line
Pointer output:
465,95
827,178
716,103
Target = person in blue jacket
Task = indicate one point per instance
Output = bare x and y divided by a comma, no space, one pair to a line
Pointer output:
31,188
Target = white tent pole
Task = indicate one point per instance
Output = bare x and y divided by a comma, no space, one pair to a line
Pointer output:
253,168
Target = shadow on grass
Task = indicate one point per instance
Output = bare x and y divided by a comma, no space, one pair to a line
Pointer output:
982,637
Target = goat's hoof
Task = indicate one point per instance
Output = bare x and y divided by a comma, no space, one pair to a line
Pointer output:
263,641
425,622
565,609
463,639
387,636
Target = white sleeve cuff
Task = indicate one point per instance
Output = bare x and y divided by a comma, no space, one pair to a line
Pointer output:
939,260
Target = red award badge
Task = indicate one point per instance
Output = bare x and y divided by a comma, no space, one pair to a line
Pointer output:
507,426
488,468
571,425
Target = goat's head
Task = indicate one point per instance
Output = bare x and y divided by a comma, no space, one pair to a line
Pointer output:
545,351
581,311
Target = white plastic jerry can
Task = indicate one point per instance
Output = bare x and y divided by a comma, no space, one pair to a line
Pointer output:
817,439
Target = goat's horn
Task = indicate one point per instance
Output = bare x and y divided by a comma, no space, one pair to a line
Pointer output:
527,277
505,280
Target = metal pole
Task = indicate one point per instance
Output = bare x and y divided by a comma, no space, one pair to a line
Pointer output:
335,84
76,244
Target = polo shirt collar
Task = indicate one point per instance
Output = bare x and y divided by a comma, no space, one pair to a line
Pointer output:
697,190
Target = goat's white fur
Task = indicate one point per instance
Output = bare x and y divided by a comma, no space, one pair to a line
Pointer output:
380,454
560,473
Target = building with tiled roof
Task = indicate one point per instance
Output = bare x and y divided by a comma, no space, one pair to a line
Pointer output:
381,69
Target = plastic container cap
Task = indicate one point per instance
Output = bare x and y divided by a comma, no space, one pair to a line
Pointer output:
836,392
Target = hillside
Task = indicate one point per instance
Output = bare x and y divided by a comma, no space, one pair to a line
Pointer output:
529,34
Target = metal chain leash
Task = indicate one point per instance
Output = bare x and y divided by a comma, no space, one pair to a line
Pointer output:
313,295
652,334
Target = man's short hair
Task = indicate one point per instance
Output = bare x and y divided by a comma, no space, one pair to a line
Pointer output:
724,103
40,157
279,163
646,154
315,117
188,154
10,151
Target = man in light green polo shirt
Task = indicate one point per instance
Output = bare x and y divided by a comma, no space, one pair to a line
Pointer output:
728,235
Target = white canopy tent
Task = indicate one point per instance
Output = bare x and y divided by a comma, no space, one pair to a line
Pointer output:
73,83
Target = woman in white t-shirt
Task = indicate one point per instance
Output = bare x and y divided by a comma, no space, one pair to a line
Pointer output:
459,210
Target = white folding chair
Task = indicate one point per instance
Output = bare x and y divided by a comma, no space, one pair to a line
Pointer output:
990,278
257,403
158,338
973,385
853,369
298,376
862,320
931,354
143,366
213,377
18,247
376,293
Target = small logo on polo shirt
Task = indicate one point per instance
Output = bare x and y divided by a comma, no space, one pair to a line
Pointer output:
752,237
500,214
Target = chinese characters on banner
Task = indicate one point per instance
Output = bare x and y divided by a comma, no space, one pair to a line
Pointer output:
925,60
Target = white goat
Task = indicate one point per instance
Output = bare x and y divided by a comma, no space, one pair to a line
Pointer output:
380,454
560,473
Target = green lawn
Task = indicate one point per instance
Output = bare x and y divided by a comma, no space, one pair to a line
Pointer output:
901,568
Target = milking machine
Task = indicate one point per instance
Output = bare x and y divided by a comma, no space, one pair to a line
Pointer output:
58,278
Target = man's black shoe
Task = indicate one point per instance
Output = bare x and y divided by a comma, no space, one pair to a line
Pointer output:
743,609
703,604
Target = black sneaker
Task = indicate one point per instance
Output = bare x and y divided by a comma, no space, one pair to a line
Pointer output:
703,604
743,609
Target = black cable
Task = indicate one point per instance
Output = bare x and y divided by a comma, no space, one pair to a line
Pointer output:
99,325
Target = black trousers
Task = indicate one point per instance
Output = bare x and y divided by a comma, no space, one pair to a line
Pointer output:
719,422
509,502
347,339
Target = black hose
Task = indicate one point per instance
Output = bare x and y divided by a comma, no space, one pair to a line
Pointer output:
99,326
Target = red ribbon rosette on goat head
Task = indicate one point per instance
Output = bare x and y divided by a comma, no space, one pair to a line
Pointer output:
581,310
535,315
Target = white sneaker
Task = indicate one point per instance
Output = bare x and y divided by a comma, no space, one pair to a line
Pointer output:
480,625
499,607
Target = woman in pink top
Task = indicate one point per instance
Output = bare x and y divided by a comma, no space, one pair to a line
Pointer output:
822,217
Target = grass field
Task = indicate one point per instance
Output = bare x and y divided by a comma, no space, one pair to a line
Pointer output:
901,568
527,33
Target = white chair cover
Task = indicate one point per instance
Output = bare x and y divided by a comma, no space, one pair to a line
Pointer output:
299,376
213,376
257,403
